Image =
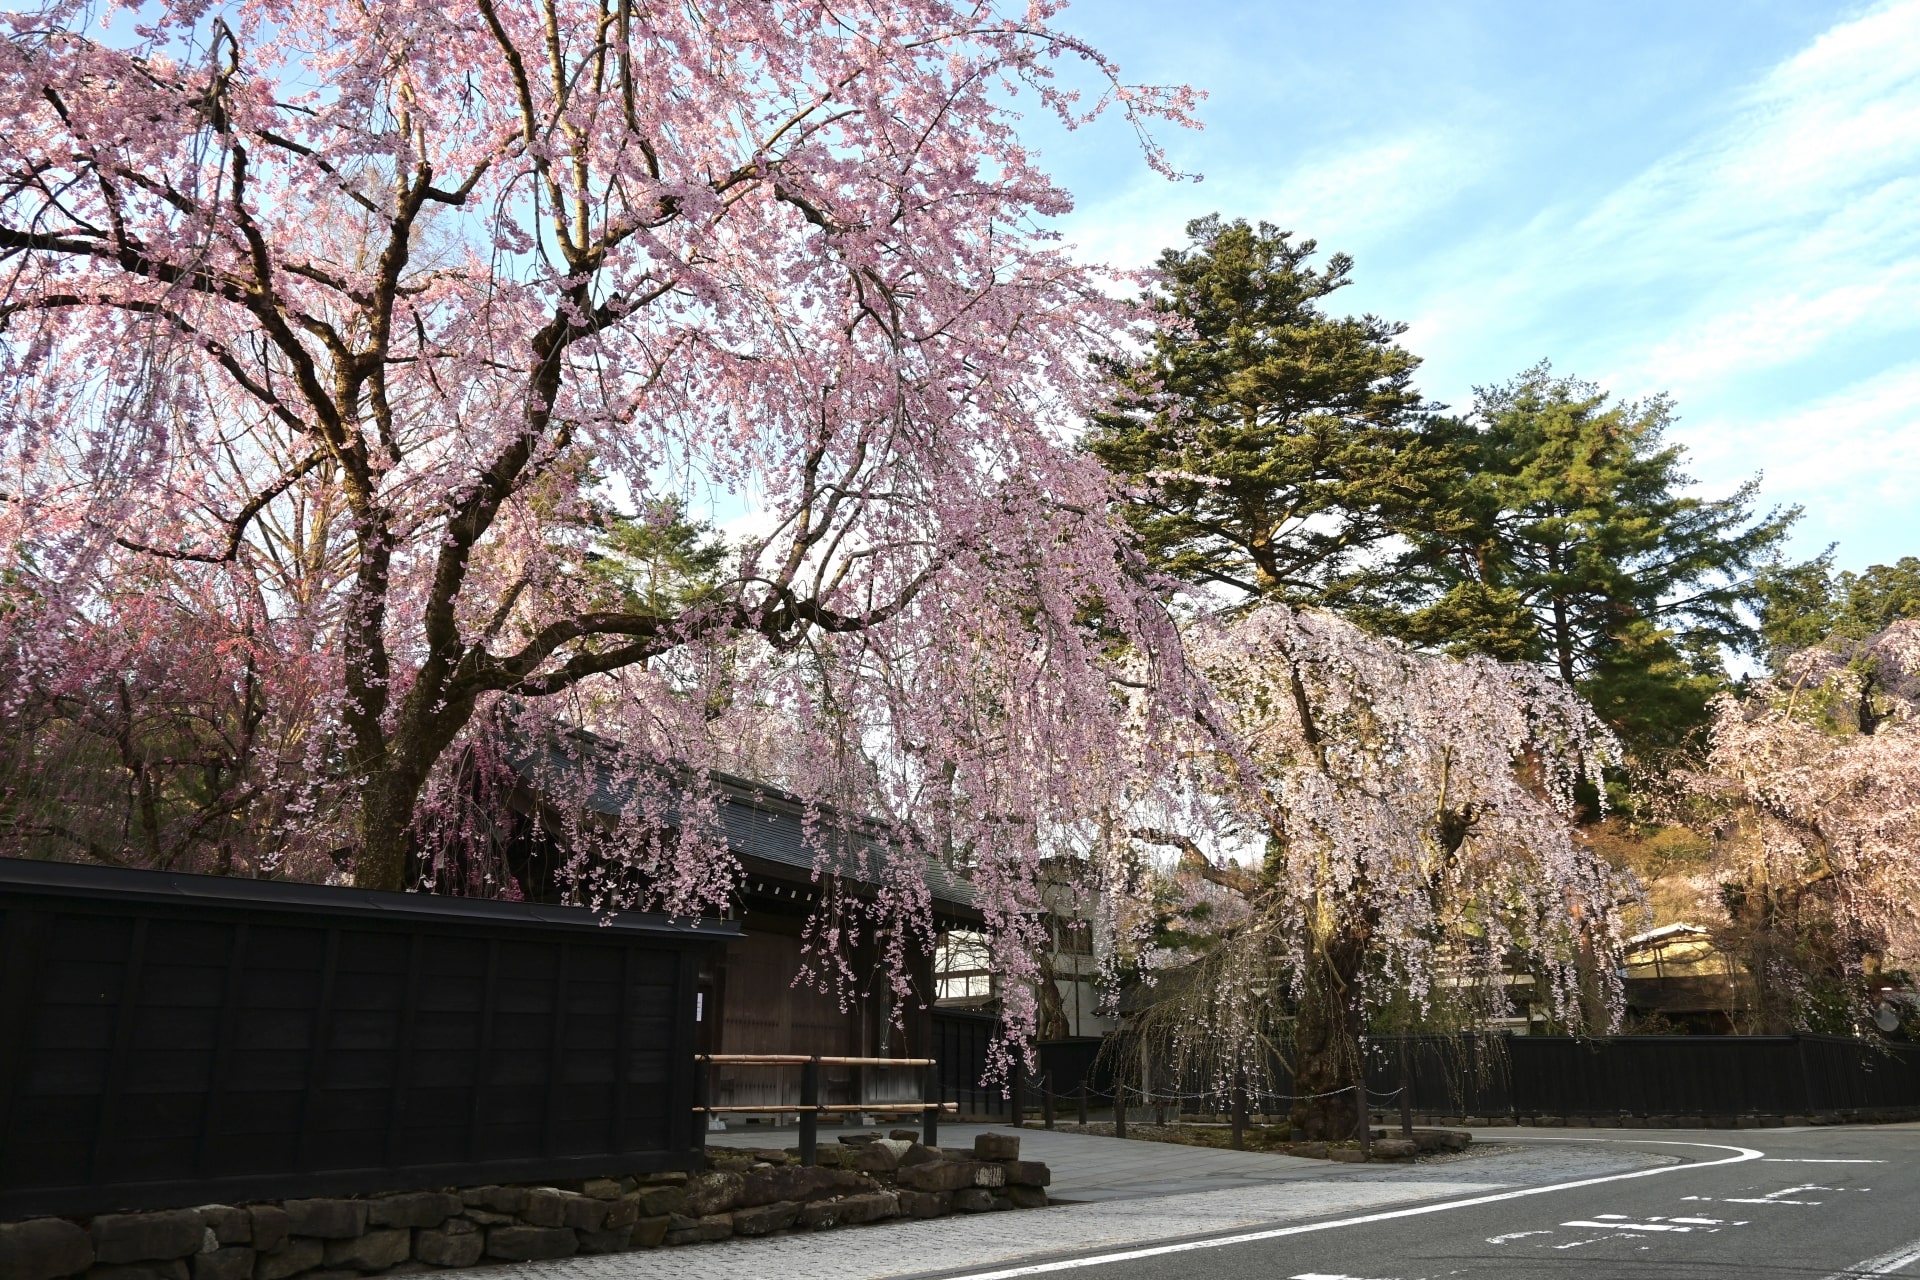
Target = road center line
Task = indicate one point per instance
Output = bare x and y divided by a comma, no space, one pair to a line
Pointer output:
1741,1155
1884,1265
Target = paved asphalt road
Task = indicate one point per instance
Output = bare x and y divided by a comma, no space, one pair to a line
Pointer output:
1787,1203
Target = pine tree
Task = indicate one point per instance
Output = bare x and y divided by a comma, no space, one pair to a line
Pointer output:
1568,537
1270,446
1802,605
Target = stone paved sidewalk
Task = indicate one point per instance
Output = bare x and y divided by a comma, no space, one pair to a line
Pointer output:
1120,1194
1093,1168
973,1242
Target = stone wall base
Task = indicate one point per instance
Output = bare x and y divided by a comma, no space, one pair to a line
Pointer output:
739,1193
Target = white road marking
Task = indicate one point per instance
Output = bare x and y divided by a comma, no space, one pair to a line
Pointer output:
1786,1160
1625,1226
1741,1156
1884,1265
1320,1275
1516,1235
1773,1197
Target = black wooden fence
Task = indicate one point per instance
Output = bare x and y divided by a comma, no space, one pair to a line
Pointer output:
961,1039
1706,1076
170,1040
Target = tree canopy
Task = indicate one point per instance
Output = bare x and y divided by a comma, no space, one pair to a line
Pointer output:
358,361
1802,605
1268,444
1567,535
1812,792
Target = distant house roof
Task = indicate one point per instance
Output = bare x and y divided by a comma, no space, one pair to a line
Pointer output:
1665,933
763,822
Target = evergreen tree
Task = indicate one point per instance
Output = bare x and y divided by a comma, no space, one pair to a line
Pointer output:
1567,537
1270,446
1802,605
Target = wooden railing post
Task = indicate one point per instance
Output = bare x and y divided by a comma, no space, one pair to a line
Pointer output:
1017,1102
809,1113
1239,1105
1119,1110
930,1118
1083,1104
1046,1099
702,1100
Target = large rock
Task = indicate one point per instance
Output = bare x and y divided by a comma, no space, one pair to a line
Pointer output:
876,1157
795,1182
655,1202
924,1204
531,1244
229,1262
1027,1197
850,1210
650,1233
972,1200
495,1199
228,1224
1027,1173
269,1226
457,1244
43,1248
622,1214
988,1175
413,1209
1395,1148
711,1193
168,1269
918,1154
547,1207
375,1251
943,1175
147,1237
764,1219
614,1241
996,1146
290,1259
327,1219
712,1226
601,1188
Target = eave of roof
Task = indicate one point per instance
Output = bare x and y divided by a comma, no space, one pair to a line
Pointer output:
762,822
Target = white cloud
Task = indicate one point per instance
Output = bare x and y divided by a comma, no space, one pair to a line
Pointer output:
1357,190
1851,458
1790,226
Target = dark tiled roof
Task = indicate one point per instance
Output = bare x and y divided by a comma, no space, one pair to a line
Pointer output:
761,820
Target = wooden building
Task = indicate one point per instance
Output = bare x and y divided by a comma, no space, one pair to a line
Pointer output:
751,998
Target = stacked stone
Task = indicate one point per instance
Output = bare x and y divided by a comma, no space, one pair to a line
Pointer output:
748,1193
866,1178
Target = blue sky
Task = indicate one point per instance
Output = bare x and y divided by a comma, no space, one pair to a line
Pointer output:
1714,198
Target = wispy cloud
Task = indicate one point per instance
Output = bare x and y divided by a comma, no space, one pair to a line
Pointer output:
1790,225
1365,188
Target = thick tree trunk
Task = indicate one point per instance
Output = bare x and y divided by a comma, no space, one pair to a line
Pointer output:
1326,1063
385,830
